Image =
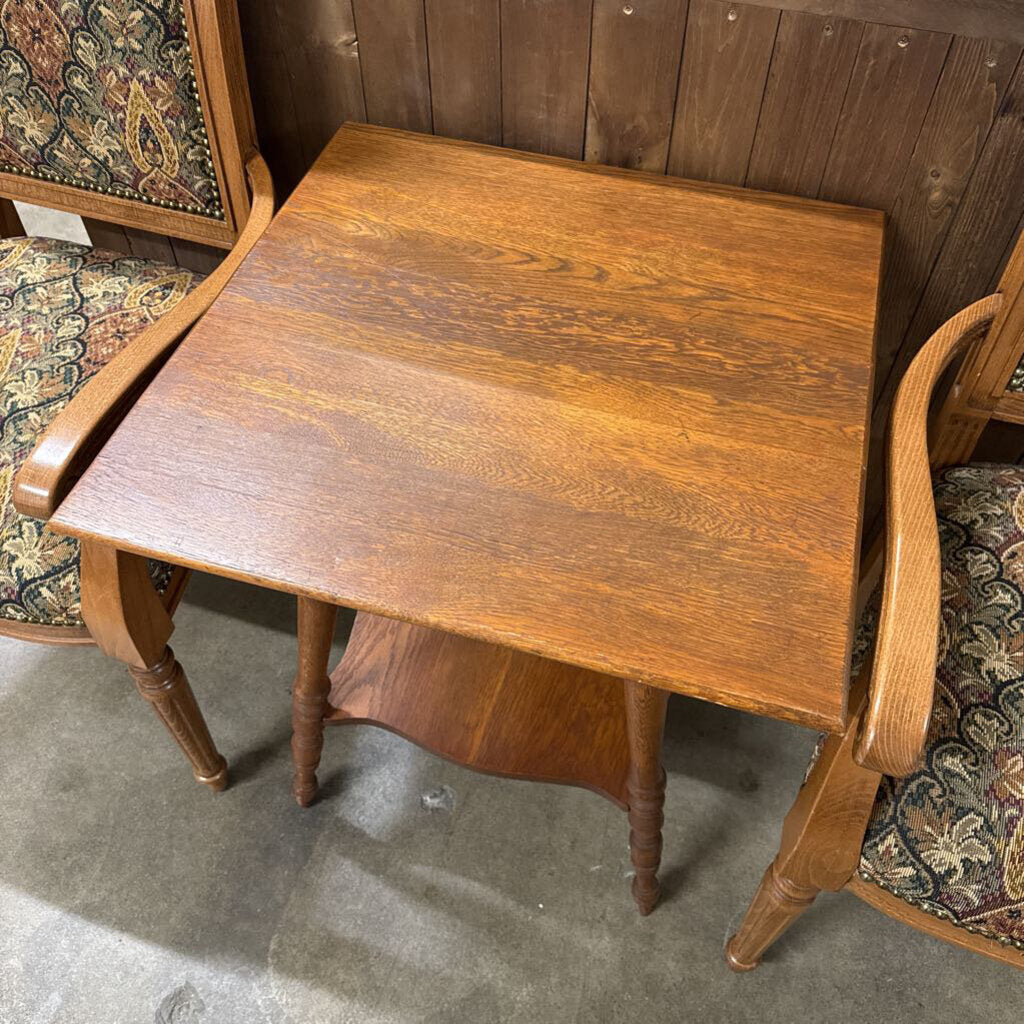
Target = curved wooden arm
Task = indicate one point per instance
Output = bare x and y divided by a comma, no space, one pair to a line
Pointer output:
895,724
83,426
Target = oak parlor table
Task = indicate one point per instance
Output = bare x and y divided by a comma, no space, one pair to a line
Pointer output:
547,426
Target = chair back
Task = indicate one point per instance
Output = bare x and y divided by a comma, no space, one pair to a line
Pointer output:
130,111
990,382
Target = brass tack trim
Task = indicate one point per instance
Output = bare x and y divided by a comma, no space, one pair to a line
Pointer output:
215,208
943,915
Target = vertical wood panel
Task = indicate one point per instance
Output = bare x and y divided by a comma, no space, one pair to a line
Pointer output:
634,70
725,66
979,19
891,88
106,236
393,57
464,44
319,49
807,84
545,52
995,280
149,246
1000,442
10,222
966,99
203,259
270,86
984,224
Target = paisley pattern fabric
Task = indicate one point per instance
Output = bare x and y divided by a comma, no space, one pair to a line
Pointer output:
65,311
101,95
950,837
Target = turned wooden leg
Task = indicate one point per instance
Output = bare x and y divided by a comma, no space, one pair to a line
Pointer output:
128,621
645,723
777,903
167,690
821,841
309,694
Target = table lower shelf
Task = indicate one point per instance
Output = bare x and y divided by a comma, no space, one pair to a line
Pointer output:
490,708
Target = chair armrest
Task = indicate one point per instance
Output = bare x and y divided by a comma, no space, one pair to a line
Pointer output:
83,426
895,723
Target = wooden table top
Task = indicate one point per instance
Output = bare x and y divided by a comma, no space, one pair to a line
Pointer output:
606,417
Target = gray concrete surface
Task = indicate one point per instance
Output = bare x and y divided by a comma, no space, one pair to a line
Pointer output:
40,220
130,894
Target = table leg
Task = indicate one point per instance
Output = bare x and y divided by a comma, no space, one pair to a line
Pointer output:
494,710
129,622
309,694
645,723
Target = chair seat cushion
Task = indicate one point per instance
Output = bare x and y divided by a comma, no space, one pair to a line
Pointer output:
950,837
65,311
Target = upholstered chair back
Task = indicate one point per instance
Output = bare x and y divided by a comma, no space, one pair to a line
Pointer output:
105,105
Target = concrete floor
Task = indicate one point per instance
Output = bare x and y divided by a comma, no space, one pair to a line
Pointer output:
130,894
38,220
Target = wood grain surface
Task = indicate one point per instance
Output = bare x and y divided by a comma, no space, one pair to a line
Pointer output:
465,68
798,119
1000,19
602,416
892,699
79,430
891,86
725,66
985,222
320,50
491,708
902,690
544,67
873,107
393,58
964,105
640,44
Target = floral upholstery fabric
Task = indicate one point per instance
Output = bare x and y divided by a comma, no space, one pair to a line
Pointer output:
101,95
950,837
65,311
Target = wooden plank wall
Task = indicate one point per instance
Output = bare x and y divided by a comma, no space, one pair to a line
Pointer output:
832,99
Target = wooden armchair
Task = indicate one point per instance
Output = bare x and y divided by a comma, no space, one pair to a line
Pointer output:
135,114
919,807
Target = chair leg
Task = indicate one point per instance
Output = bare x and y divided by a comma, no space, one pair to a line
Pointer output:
821,841
645,724
128,621
777,903
167,690
309,694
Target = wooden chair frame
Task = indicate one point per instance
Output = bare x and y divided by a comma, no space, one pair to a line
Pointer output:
891,701
113,619
219,69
